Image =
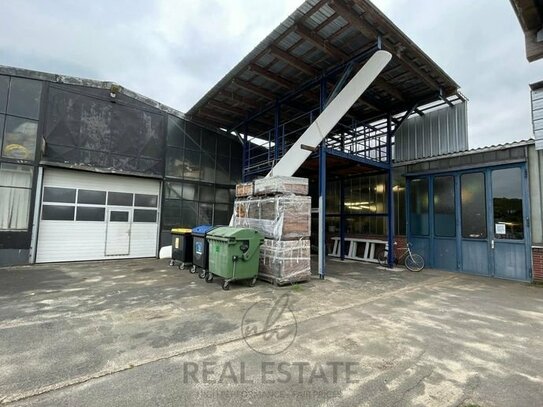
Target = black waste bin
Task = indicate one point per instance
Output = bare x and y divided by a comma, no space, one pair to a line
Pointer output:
181,247
200,253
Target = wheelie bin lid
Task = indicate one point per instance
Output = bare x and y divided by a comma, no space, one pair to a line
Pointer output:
181,231
237,233
202,229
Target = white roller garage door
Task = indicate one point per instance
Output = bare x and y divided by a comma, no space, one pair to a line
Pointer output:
88,216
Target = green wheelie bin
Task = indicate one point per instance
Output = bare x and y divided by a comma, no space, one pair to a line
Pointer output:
233,254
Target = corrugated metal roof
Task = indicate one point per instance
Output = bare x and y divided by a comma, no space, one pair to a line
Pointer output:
411,72
494,147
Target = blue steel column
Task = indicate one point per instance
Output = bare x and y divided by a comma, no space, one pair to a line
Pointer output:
390,196
276,139
342,219
322,211
322,192
245,161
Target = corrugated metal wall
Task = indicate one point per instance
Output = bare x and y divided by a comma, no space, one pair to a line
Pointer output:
436,133
537,117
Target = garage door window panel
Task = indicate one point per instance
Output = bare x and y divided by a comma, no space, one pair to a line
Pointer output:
145,215
85,196
60,195
120,199
118,216
58,212
90,214
147,201
15,184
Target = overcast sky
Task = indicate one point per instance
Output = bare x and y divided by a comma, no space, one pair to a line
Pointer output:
175,50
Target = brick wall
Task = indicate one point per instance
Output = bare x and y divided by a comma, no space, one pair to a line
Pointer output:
537,264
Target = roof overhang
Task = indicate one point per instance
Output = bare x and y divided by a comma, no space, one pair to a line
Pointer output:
323,38
530,16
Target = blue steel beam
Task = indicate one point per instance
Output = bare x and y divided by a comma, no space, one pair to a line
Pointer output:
277,125
322,211
322,190
390,196
358,159
342,219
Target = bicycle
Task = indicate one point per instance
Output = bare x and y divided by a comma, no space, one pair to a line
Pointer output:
413,261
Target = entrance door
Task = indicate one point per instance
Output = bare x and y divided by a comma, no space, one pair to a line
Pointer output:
508,230
495,233
118,232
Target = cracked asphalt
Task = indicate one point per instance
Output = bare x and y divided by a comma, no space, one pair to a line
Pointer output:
139,332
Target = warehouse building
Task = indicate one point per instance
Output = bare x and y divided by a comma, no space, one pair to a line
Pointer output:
91,170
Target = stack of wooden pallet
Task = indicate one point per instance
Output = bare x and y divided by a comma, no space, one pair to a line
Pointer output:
280,209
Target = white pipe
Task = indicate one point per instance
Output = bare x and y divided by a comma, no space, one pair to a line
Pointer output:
331,115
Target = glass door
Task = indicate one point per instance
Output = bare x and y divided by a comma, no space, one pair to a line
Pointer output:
508,227
474,244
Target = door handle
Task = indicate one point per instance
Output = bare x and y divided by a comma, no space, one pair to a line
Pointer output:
492,243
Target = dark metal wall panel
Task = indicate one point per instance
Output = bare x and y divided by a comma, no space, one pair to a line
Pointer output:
439,132
13,257
89,128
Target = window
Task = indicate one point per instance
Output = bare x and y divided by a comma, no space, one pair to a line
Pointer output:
192,169
418,207
207,194
90,213
24,98
444,214
120,199
507,204
173,190
57,212
205,214
118,216
145,215
222,214
190,192
15,187
473,205
85,196
222,195
149,201
64,195
20,138
2,121
4,86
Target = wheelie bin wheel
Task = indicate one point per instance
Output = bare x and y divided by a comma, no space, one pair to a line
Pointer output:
202,274
172,263
193,269
252,283
226,285
182,266
209,278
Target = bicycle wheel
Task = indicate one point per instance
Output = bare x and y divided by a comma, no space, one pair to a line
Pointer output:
382,258
414,262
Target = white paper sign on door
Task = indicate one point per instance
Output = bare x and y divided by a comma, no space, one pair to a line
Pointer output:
500,228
